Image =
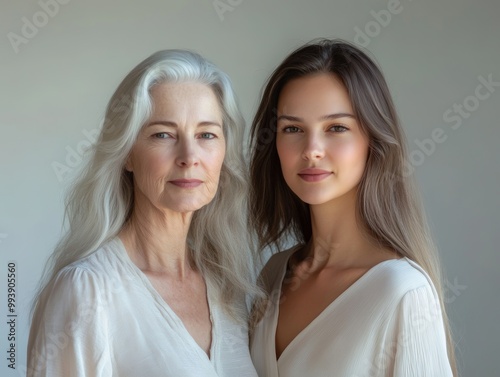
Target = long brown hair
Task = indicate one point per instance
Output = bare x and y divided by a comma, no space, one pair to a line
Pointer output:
388,206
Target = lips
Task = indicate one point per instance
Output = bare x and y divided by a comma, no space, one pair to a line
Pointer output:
186,183
314,174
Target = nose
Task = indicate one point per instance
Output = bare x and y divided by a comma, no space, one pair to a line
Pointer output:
186,154
313,148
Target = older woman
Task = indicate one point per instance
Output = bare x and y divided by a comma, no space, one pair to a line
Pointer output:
150,278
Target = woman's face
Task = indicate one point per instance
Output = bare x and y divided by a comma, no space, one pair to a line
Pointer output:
321,147
177,158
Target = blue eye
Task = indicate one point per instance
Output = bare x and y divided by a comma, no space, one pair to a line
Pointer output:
291,129
207,135
161,135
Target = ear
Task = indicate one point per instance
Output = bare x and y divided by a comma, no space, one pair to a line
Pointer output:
128,164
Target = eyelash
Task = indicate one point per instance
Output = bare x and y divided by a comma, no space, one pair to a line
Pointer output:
209,134
287,129
156,136
338,128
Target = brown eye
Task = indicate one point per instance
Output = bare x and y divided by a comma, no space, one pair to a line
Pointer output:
338,128
291,129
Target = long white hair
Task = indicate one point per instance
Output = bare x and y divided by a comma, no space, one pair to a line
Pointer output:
101,199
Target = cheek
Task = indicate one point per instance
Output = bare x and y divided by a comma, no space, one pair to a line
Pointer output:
352,153
214,158
287,155
150,166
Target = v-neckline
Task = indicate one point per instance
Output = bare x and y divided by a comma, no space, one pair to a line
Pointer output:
158,299
322,314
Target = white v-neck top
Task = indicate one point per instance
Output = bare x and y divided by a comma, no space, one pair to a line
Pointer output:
103,318
387,324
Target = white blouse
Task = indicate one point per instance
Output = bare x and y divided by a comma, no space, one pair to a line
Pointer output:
103,318
387,324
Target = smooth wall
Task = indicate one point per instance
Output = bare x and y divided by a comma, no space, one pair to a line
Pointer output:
62,59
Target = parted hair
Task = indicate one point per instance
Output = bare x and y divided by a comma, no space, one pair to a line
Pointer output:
388,205
101,199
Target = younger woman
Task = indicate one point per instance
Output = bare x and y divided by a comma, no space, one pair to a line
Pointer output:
360,294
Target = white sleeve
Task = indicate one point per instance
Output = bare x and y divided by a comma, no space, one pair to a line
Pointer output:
69,333
421,344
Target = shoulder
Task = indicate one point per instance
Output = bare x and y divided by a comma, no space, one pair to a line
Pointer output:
418,319
270,281
73,283
280,259
396,279
89,275
402,275
275,267
104,265
80,287
74,291
107,256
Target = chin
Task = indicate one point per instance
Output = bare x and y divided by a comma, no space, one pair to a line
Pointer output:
312,199
187,206
319,198
309,195
313,202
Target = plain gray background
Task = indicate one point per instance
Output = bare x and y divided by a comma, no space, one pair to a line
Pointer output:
57,75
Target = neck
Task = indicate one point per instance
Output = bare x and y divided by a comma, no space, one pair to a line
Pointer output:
156,239
338,239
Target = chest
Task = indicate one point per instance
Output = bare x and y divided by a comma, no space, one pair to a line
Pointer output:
304,298
189,303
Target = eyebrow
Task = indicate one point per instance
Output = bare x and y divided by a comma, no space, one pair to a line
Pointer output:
324,117
173,124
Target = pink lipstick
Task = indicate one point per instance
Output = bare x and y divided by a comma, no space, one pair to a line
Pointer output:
314,174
